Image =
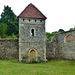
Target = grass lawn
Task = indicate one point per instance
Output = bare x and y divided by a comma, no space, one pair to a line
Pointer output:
57,67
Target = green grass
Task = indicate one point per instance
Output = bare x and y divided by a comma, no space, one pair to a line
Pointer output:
57,67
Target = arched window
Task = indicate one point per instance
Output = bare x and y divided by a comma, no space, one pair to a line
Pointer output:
35,20
70,38
40,20
29,19
32,32
23,19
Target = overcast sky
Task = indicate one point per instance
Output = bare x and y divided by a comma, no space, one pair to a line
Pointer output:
60,13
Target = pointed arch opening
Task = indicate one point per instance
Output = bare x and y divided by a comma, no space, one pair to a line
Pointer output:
70,38
32,55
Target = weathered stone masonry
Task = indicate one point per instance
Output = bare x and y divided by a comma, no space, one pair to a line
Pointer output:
28,42
32,47
32,44
62,46
9,49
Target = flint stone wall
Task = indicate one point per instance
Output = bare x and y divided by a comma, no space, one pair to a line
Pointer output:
50,50
60,48
28,42
9,49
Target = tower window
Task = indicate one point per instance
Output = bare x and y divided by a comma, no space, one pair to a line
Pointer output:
40,20
32,32
35,20
29,19
23,19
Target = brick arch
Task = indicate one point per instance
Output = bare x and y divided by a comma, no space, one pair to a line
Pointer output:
70,38
31,52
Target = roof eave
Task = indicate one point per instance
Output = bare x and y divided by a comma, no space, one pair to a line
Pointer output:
32,17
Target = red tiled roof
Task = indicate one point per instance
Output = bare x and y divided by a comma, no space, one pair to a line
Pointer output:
31,12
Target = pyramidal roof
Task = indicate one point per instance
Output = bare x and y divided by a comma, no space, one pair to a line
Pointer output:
31,12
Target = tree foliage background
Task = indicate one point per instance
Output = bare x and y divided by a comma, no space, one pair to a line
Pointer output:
9,25
3,29
50,35
10,19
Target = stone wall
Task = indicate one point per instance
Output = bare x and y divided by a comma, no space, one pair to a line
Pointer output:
9,49
66,49
50,50
63,46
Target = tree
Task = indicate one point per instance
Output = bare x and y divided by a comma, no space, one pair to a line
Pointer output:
72,29
12,28
60,30
48,35
3,29
8,17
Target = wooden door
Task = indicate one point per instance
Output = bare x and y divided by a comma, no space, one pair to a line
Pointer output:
32,56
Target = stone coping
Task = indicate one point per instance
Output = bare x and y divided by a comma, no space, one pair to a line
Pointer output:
66,31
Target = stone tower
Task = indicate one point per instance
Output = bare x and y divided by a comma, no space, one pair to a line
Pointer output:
32,47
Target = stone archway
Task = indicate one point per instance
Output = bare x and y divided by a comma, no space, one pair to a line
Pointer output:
69,38
32,55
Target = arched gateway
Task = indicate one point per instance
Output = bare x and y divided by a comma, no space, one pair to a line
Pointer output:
32,55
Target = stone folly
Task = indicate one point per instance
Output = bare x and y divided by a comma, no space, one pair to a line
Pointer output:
32,47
